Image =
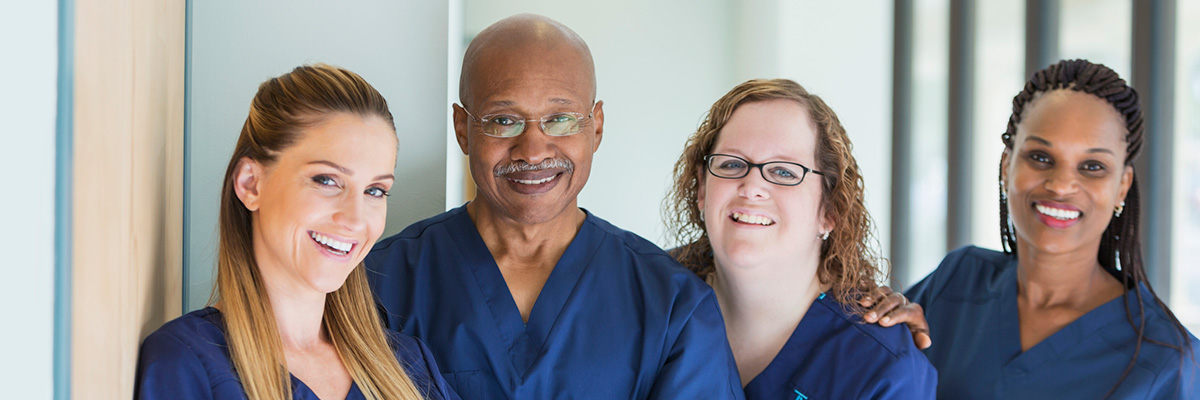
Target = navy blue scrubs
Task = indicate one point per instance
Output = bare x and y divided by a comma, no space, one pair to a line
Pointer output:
833,355
617,318
188,358
971,304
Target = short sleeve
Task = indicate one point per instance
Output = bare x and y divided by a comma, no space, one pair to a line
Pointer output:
169,369
699,363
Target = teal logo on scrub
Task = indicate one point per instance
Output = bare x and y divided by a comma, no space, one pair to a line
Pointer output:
801,396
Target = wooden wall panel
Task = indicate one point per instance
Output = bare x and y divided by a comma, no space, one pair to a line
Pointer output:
129,65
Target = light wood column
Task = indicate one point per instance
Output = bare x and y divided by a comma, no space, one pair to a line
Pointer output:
128,186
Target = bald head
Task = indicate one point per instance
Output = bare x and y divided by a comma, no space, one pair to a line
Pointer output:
524,44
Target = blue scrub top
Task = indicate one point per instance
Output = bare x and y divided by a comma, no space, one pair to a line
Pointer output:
617,318
971,304
833,355
188,358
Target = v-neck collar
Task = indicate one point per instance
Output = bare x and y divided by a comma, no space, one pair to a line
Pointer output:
301,391
525,340
1021,363
813,326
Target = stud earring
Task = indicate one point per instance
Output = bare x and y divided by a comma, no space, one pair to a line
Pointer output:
1118,210
824,235
701,215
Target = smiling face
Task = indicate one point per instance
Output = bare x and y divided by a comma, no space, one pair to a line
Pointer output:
534,177
318,209
1066,172
751,221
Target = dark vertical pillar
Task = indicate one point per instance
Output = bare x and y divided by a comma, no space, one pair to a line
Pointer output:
902,77
961,140
1154,77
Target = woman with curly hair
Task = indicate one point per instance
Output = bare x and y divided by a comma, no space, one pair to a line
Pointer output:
768,201
1066,310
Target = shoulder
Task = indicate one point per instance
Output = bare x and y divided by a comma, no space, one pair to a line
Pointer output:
199,330
187,357
894,367
967,272
650,264
419,229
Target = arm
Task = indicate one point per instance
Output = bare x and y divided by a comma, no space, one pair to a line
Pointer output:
699,364
168,369
437,381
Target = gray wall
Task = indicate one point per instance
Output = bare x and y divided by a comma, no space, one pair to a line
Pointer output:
399,47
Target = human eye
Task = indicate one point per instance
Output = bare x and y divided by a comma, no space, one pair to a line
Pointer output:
1039,158
1093,167
325,180
784,172
503,120
560,118
731,164
376,191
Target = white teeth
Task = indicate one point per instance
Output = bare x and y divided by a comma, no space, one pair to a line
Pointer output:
1057,213
752,219
331,243
535,182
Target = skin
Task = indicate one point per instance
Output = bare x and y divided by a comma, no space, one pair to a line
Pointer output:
1069,153
527,227
331,181
766,276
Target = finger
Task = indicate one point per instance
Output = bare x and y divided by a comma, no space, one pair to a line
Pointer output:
922,340
887,306
873,297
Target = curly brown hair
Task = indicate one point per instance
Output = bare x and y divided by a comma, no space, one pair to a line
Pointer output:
849,262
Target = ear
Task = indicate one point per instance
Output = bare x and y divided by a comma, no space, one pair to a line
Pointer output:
1126,182
700,188
460,127
246,181
598,120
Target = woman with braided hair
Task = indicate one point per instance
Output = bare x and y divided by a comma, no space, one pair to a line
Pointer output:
1066,310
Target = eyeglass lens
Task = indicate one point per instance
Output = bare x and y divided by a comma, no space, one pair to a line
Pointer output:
778,172
504,125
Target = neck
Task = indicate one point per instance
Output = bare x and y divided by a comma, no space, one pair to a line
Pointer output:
1073,279
298,316
752,296
508,237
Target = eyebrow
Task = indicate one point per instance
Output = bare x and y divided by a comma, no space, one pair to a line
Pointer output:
1047,143
347,171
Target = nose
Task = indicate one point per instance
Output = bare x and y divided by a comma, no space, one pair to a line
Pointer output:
351,213
754,186
534,145
1062,181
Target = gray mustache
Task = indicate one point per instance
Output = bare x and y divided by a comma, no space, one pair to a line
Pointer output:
521,166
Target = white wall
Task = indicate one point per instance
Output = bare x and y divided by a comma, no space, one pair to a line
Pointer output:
28,33
399,47
659,66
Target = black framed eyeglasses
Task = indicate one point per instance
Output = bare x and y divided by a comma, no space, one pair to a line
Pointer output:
778,172
508,125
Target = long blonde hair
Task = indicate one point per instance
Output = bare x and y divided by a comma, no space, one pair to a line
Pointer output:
283,106
849,262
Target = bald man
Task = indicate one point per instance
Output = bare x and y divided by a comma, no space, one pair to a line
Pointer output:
521,294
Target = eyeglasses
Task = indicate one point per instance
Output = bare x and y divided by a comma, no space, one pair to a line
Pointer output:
778,172
507,125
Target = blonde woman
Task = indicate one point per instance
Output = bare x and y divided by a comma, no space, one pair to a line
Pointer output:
769,202
303,201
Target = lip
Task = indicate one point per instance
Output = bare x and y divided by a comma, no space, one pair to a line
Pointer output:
325,251
549,180
753,214
1052,221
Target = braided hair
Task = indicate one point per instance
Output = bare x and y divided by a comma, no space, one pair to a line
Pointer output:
1120,248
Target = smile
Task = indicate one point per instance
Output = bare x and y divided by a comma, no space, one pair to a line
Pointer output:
333,245
1057,213
534,181
751,219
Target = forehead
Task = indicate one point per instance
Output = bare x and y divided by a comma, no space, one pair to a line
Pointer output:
531,75
345,138
769,130
1067,117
